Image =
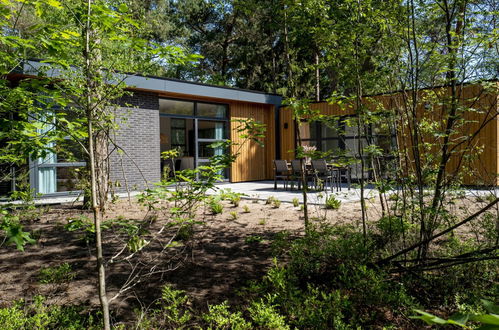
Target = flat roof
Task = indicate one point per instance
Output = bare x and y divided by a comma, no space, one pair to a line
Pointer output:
167,85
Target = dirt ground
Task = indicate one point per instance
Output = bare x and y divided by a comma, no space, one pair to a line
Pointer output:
225,252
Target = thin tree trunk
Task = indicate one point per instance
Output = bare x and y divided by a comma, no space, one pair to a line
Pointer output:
317,78
97,170
359,133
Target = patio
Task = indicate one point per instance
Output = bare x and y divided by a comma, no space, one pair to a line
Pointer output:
261,190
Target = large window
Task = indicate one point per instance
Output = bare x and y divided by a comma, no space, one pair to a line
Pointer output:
192,127
60,169
340,138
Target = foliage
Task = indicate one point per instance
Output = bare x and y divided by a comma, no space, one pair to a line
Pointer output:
13,231
220,317
246,209
216,207
174,302
488,321
233,215
62,273
332,203
38,315
253,239
296,202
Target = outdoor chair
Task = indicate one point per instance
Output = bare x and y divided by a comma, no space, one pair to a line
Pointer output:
281,171
344,172
296,171
323,174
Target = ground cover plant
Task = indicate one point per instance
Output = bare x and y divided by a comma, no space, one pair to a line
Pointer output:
424,248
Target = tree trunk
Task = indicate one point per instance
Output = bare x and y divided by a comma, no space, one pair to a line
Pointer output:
97,149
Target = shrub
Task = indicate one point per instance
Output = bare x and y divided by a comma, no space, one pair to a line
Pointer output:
57,274
332,203
216,207
233,215
269,200
296,202
253,239
219,317
276,203
246,209
392,226
38,315
265,316
175,310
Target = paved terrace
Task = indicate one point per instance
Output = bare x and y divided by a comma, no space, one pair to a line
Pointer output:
262,190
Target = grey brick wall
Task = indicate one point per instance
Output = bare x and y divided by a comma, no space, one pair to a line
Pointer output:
140,100
138,135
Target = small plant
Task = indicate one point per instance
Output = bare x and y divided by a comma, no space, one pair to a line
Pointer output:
246,209
332,203
84,224
253,239
302,207
57,274
176,312
216,207
13,231
276,203
219,317
233,215
296,202
262,222
270,200
233,197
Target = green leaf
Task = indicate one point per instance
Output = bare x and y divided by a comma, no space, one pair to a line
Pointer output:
123,8
491,319
429,318
490,306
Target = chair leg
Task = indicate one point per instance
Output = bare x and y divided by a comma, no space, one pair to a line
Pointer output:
275,183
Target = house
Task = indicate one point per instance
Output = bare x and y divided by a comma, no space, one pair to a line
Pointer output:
474,142
162,114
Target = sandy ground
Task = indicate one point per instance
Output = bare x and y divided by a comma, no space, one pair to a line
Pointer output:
225,251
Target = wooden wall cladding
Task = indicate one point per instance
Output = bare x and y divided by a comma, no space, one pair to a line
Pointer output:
254,162
482,162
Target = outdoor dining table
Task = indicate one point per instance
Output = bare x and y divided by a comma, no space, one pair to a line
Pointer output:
333,167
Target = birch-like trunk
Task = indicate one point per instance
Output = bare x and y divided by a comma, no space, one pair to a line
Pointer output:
98,151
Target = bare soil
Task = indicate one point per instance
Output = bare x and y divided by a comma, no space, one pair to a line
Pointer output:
225,251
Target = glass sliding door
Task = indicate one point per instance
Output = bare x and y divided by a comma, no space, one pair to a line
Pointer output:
192,127
208,133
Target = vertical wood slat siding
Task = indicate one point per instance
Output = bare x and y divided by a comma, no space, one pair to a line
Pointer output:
485,167
253,162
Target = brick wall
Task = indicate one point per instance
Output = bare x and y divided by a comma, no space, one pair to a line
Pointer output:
140,100
138,135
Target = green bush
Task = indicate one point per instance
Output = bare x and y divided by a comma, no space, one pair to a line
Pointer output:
393,226
296,202
57,274
332,203
38,315
219,317
216,207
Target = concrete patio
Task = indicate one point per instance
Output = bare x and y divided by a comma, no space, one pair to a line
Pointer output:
262,190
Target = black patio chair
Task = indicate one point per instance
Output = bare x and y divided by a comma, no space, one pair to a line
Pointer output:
322,173
281,171
296,172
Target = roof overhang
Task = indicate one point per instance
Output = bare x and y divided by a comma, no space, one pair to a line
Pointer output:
165,85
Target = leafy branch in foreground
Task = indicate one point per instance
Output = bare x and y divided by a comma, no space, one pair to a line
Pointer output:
488,321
